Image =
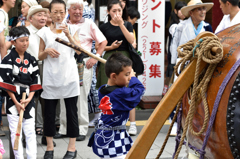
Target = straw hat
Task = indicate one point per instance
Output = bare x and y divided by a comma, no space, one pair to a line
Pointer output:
195,4
35,9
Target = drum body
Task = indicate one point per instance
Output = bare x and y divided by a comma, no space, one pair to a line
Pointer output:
224,140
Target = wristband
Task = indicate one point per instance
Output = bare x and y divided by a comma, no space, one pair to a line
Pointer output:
98,55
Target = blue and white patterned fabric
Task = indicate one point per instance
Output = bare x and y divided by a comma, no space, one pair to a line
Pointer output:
115,103
119,144
88,11
93,101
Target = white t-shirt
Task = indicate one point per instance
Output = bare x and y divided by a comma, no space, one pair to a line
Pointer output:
2,27
60,75
34,41
226,23
4,20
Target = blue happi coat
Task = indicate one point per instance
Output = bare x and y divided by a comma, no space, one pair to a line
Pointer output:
115,103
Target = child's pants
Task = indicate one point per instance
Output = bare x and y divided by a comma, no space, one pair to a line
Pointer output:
28,126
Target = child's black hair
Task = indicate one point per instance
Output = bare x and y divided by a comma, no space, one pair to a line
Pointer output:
115,63
1,3
133,13
19,30
57,2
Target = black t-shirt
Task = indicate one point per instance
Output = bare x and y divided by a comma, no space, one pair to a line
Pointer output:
113,33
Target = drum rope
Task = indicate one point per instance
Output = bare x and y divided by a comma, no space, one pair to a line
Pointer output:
203,52
188,52
170,128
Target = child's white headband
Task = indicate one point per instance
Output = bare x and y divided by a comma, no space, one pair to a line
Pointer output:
11,38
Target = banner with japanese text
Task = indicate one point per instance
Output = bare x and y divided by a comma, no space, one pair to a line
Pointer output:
151,33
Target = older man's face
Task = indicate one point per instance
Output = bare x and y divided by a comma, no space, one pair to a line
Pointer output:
198,14
38,20
76,12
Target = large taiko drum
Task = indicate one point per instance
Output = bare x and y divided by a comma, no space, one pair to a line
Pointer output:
224,140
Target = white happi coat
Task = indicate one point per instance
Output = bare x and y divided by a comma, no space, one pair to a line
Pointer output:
184,32
226,23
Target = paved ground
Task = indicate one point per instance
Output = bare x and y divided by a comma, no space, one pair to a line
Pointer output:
85,152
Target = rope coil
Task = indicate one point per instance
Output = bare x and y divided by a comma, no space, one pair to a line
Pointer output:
202,52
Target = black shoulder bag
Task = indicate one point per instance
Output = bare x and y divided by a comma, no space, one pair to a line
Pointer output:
137,65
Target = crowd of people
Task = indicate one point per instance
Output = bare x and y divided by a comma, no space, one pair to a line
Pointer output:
61,83
33,62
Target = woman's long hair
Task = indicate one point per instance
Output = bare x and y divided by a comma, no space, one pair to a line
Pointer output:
174,16
125,12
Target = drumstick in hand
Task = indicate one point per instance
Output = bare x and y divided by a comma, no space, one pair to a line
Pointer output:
19,128
80,49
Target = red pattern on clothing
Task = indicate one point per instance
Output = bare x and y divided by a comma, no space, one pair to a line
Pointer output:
26,62
18,60
7,86
25,70
106,106
35,87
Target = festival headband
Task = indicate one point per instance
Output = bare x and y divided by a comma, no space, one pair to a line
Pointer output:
11,38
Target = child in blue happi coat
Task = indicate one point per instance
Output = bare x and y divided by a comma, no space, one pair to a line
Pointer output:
111,139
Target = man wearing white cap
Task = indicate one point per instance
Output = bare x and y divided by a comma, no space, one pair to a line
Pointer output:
191,27
37,17
231,13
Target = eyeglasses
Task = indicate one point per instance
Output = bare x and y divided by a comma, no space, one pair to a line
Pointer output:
203,9
75,8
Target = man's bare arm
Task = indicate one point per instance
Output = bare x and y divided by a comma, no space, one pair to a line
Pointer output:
3,47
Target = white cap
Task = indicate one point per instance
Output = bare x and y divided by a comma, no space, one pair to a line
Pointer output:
35,9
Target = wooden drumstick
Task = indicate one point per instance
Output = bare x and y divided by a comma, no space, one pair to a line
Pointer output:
216,49
80,49
19,128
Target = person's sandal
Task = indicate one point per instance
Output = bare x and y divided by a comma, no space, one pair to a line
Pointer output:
39,131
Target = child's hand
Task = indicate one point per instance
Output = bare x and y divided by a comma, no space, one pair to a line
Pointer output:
133,74
25,102
19,107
